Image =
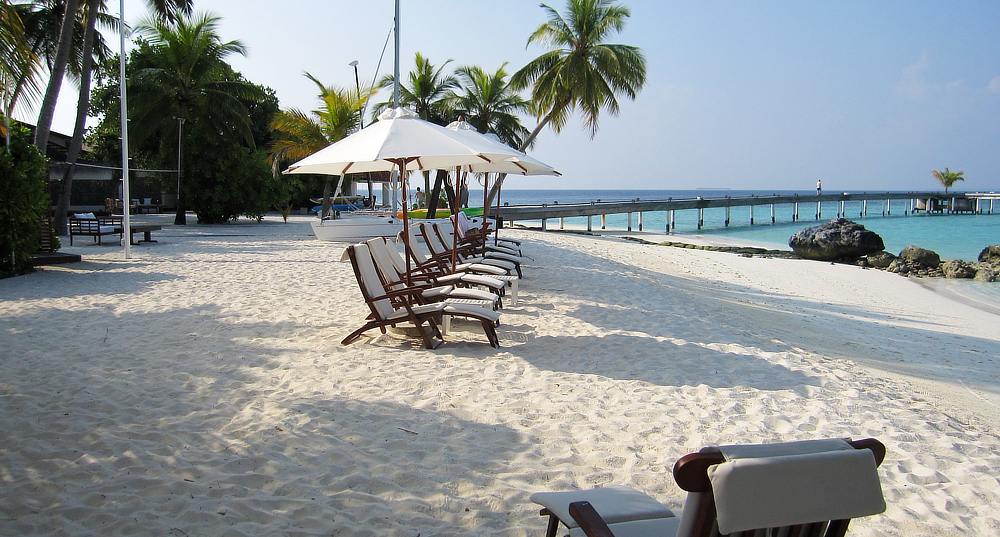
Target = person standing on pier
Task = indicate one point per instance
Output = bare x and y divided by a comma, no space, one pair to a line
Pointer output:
819,187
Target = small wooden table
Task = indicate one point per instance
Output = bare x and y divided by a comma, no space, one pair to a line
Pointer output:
145,229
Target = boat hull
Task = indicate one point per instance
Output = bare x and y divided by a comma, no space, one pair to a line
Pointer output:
355,229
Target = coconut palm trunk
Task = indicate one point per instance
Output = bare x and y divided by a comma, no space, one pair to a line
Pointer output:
82,106
44,123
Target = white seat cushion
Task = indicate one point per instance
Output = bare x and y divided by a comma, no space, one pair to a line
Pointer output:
615,504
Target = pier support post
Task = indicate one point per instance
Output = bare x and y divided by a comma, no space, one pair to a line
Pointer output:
701,217
772,213
604,222
819,210
589,220
562,223
640,220
795,212
670,220
543,225
751,215
843,209
629,227
727,216
864,207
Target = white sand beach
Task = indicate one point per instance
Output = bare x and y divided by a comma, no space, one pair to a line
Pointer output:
200,388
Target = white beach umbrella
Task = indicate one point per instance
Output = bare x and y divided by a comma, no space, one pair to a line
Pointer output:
498,157
399,140
398,136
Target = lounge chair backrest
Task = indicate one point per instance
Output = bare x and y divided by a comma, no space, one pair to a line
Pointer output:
431,239
771,492
383,261
821,483
368,280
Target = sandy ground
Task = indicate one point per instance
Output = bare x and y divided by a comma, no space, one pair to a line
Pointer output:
200,388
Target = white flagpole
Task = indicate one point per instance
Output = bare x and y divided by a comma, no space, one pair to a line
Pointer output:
126,195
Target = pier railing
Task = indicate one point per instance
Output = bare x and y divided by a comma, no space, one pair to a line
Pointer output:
939,202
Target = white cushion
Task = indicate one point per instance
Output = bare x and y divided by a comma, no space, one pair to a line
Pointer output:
615,503
86,216
107,229
795,489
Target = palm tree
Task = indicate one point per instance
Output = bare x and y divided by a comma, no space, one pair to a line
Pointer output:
948,178
94,48
426,92
165,9
56,72
17,62
581,70
180,74
304,134
489,103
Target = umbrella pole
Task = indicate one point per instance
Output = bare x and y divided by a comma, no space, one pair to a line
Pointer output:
406,221
454,215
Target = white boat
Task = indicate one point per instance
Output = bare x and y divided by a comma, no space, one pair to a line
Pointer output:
357,227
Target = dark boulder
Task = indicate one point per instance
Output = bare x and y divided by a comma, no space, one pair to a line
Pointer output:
991,255
836,239
920,256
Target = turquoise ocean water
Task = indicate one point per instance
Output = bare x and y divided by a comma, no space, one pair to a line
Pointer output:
951,236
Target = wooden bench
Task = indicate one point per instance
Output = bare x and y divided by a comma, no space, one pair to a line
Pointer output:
96,227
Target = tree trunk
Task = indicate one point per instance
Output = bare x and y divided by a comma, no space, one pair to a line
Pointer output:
435,193
524,145
82,107
44,124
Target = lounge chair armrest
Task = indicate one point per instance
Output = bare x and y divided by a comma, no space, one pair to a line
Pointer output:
398,293
589,519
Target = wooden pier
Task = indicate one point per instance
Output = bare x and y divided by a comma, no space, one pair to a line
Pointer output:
939,202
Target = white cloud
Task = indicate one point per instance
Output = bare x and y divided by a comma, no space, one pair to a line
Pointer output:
994,86
912,86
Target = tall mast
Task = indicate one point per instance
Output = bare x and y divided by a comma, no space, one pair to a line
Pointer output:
395,69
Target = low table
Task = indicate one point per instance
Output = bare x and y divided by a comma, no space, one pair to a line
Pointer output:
145,229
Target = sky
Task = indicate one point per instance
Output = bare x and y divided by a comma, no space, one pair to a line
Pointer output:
868,96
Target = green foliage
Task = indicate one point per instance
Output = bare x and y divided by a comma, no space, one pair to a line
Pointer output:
426,91
948,178
580,70
23,202
232,181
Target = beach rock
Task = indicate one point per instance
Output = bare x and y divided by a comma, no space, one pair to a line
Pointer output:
991,255
986,274
956,268
836,239
880,260
920,256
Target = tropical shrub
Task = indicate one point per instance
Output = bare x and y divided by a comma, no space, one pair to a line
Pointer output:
23,202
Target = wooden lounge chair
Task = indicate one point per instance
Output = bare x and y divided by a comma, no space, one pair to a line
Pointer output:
438,273
391,307
441,264
436,243
432,292
810,488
